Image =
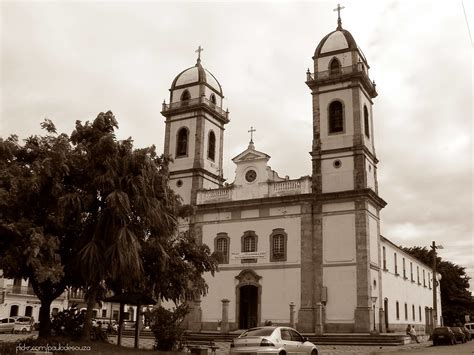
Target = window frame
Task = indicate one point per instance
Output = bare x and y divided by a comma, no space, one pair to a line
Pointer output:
248,234
276,233
178,140
335,70
366,122
209,135
226,256
343,118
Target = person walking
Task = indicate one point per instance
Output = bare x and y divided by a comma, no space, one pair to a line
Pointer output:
408,329
413,334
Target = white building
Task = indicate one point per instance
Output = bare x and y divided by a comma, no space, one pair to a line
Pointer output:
314,242
17,298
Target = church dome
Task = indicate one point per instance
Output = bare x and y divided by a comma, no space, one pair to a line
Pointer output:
337,40
197,75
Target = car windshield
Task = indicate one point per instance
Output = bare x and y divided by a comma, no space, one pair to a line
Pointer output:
4,320
258,332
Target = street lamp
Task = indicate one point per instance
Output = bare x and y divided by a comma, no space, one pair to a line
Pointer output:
435,283
374,299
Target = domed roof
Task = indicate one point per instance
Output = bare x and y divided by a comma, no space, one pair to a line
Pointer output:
197,75
339,39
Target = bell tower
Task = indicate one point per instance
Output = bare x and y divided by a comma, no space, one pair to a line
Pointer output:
194,133
345,268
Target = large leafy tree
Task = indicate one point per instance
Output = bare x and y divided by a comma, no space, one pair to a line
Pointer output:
456,299
33,243
98,214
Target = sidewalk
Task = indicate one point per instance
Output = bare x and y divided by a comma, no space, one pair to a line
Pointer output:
323,349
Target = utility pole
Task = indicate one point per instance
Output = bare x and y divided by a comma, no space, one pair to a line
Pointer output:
435,284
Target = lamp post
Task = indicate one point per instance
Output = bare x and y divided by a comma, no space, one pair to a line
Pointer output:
374,299
435,283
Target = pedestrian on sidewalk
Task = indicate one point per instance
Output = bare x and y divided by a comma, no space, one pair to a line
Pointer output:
413,334
408,329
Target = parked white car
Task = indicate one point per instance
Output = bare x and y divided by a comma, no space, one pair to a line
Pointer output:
7,325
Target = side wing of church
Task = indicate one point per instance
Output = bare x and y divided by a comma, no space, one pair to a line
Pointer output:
305,252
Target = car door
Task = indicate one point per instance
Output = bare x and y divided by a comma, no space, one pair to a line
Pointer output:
290,346
298,339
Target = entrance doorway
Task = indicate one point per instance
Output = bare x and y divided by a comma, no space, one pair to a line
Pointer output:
248,314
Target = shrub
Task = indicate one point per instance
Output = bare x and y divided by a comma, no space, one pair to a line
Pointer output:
166,326
68,323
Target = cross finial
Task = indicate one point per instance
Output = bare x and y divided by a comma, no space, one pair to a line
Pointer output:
339,22
198,51
251,134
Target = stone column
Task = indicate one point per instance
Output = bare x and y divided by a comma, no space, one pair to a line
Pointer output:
195,314
382,320
225,316
292,314
319,329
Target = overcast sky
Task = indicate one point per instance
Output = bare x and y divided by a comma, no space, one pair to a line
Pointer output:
71,60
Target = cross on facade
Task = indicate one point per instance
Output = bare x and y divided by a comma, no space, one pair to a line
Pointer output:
198,51
338,9
251,133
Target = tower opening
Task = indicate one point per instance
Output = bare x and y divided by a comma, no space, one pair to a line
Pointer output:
336,119
182,143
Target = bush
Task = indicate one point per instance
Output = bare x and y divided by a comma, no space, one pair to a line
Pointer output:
68,323
166,326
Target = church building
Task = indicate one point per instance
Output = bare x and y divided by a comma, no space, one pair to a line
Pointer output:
305,252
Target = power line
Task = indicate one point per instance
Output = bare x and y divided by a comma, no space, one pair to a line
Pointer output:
467,22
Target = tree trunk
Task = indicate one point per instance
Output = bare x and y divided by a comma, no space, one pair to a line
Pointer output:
91,301
44,320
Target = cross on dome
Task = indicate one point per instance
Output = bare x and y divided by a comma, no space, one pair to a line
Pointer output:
339,22
198,51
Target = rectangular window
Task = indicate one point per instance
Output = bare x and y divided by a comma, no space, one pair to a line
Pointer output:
406,311
398,310
413,311
404,269
429,281
384,259
411,272
418,275
395,263
424,280
419,312
104,313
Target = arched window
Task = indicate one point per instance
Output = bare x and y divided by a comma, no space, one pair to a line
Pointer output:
182,142
185,96
13,310
334,66
221,246
211,146
249,244
28,311
213,99
336,117
366,122
278,245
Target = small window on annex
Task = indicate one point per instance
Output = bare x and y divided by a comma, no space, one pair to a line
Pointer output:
249,244
397,305
182,142
366,122
334,66
278,245
336,117
221,246
211,146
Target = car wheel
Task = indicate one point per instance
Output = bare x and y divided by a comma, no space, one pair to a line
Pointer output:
23,331
314,352
282,353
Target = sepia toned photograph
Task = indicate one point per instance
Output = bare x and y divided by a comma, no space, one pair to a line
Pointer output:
236,177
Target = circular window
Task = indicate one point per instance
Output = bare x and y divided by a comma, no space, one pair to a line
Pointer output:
250,175
179,183
337,164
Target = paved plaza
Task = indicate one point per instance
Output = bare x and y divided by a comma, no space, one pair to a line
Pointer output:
147,343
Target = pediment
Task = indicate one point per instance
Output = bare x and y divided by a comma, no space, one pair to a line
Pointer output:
249,155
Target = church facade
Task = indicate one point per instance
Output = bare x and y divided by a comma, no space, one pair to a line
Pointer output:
305,252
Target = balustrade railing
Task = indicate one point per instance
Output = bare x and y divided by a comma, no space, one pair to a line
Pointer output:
359,67
195,101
